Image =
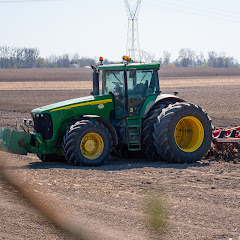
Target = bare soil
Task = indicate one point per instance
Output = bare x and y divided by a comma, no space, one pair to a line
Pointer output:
203,199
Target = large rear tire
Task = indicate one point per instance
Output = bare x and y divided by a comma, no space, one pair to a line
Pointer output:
87,143
182,133
147,131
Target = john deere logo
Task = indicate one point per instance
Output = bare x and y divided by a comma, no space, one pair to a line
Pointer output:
100,106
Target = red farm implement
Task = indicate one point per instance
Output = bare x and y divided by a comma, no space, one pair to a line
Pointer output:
227,141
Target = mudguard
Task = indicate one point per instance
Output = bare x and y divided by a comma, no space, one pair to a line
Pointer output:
161,98
13,141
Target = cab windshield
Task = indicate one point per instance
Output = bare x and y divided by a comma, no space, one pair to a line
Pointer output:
143,82
140,85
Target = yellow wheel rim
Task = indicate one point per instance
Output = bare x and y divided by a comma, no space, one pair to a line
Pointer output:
91,146
189,134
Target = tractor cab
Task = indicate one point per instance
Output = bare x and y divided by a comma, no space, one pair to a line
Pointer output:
133,87
130,84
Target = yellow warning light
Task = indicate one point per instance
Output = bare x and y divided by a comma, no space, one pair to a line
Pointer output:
100,59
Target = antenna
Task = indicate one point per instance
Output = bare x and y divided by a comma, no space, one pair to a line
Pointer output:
133,46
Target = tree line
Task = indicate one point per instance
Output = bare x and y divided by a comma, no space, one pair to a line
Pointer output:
18,57
189,58
30,58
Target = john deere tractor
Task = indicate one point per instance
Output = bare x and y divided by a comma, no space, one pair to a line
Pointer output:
130,114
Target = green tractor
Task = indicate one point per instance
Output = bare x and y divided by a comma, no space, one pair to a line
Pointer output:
130,114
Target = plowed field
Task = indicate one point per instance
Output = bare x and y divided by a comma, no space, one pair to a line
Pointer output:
108,202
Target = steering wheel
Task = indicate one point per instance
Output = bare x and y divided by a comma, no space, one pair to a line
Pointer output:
117,83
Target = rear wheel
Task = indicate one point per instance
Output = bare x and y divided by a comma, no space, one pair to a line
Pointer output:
87,143
147,131
182,133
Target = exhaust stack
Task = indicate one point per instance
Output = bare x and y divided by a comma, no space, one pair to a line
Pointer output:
95,76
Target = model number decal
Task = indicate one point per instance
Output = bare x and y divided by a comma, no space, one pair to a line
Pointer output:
101,106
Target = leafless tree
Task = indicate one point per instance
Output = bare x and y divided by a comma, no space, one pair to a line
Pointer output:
147,57
166,58
186,57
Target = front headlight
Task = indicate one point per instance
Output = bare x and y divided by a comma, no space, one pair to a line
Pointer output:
43,124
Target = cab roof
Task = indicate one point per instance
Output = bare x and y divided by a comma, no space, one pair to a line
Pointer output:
130,66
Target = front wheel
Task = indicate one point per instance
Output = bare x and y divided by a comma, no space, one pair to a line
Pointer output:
182,133
87,143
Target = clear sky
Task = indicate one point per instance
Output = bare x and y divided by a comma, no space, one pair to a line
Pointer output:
99,28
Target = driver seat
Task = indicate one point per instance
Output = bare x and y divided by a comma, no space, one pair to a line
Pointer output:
140,89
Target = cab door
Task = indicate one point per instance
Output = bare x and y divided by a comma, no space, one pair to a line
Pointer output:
113,82
139,84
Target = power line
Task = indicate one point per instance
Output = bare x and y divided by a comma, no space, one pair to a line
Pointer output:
218,9
196,7
28,1
198,11
194,10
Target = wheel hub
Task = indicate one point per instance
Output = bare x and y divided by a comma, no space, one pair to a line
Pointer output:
189,134
91,146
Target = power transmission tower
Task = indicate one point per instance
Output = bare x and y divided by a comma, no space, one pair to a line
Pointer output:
133,46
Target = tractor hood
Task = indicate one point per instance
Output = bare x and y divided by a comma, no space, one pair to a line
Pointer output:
73,104
51,120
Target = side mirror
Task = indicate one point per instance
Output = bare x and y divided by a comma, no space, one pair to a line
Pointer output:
133,73
92,93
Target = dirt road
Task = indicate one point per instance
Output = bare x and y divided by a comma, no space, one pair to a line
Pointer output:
203,199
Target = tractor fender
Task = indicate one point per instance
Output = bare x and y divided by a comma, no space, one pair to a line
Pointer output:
107,124
162,98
